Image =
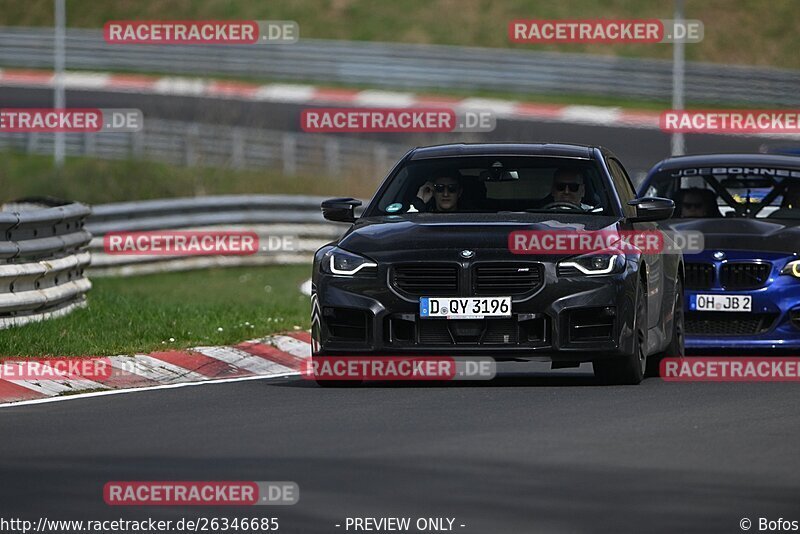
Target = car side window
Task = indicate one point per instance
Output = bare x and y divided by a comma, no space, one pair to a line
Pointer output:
623,185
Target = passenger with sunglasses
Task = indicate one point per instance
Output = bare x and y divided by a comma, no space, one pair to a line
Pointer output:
445,190
697,203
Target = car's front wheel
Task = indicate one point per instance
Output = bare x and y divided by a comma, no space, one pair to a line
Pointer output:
628,369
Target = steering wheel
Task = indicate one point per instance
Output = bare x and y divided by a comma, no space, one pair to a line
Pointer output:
566,205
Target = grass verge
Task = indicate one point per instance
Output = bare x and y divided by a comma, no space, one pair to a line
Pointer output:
97,181
171,311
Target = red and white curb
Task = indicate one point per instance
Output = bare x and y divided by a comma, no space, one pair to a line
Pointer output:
315,95
270,357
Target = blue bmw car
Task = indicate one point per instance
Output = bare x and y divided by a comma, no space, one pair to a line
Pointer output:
743,289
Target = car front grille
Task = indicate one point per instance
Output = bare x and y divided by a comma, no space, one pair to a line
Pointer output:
744,275
442,279
727,323
507,278
699,275
426,279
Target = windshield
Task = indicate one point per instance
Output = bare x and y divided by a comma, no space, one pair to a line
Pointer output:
481,184
702,193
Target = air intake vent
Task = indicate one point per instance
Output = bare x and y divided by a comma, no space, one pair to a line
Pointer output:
591,324
346,324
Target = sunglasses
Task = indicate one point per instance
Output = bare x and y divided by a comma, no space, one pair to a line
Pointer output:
573,188
439,188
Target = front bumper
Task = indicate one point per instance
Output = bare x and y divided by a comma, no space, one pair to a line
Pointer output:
773,323
571,319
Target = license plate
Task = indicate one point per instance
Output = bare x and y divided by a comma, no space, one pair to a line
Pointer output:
464,308
724,303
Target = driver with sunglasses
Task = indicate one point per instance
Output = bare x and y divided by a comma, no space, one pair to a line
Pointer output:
568,186
444,190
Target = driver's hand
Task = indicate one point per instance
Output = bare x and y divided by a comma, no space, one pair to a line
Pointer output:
425,193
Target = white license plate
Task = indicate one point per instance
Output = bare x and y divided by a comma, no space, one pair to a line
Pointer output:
724,303
464,308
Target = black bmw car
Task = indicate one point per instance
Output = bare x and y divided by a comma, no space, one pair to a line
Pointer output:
430,266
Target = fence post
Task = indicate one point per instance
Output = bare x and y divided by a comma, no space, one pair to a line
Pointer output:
89,143
289,154
332,157
380,156
137,143
237,148
190,150
31,142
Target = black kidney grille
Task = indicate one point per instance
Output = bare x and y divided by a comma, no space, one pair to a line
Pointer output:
744,275
699,275
426,279
507,279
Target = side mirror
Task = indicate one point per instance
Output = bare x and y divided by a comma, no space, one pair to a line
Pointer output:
340,209
652,209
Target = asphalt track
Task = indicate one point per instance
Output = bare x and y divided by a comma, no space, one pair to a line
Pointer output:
534,452
639,149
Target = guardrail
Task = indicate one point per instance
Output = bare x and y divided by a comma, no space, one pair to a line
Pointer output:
42,260
188,143
297,218
407,66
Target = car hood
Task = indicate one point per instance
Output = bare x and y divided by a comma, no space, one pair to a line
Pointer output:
391,234
767,235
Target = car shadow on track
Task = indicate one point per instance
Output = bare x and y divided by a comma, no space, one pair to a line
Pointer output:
540,376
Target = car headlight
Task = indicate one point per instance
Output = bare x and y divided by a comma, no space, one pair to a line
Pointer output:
792,268
593,264
342,263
